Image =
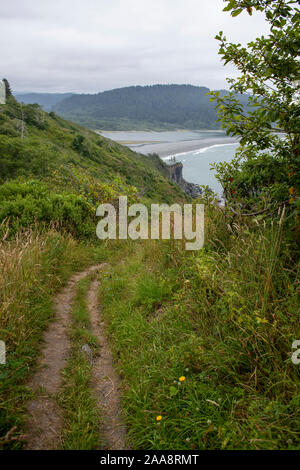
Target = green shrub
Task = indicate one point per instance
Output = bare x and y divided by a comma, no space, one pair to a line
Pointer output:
25,204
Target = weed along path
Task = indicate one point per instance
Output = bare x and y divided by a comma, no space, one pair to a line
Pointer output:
45,423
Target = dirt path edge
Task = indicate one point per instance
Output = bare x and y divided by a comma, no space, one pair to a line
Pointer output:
44,423
106,382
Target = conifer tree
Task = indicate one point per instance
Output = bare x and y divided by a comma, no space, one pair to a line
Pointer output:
7,88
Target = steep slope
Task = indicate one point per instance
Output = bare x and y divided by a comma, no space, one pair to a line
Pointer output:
36,144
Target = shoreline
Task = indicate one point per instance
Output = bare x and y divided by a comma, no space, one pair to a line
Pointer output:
169,149
163,144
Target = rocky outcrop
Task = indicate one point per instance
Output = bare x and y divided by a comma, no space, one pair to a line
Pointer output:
191,189
175,171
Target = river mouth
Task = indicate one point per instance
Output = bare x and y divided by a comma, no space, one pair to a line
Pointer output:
166,143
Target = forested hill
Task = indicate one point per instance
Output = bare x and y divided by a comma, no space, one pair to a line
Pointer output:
142,107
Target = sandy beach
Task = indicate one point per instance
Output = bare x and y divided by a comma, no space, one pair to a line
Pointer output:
169,143
166,149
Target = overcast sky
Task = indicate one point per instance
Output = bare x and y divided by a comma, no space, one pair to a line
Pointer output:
94,45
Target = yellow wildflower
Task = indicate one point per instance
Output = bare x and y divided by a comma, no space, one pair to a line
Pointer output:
182,378
158,418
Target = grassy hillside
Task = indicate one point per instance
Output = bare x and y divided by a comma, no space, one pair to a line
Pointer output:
203,340
36,144
156,107
54,171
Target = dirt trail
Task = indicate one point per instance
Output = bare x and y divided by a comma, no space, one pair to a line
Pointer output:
43,427
106,383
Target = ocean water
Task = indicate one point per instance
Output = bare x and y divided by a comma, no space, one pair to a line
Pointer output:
197,164
197,150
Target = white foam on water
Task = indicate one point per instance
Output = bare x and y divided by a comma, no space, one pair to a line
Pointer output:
169,157
205,149
197,151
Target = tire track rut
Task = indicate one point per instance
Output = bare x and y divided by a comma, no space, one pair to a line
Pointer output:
45,420
106,382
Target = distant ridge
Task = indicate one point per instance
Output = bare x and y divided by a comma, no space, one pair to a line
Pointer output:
155,107
46,100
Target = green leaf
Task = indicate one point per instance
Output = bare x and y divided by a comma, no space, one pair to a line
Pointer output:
237,12
230,6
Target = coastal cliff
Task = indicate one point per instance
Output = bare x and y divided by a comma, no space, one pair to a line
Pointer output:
175,172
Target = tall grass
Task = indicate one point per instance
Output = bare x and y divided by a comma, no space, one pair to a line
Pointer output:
224,318
32,268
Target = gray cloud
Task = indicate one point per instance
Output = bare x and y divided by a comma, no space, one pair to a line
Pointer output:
95,45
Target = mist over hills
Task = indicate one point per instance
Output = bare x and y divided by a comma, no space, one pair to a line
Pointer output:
46,100
155,107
